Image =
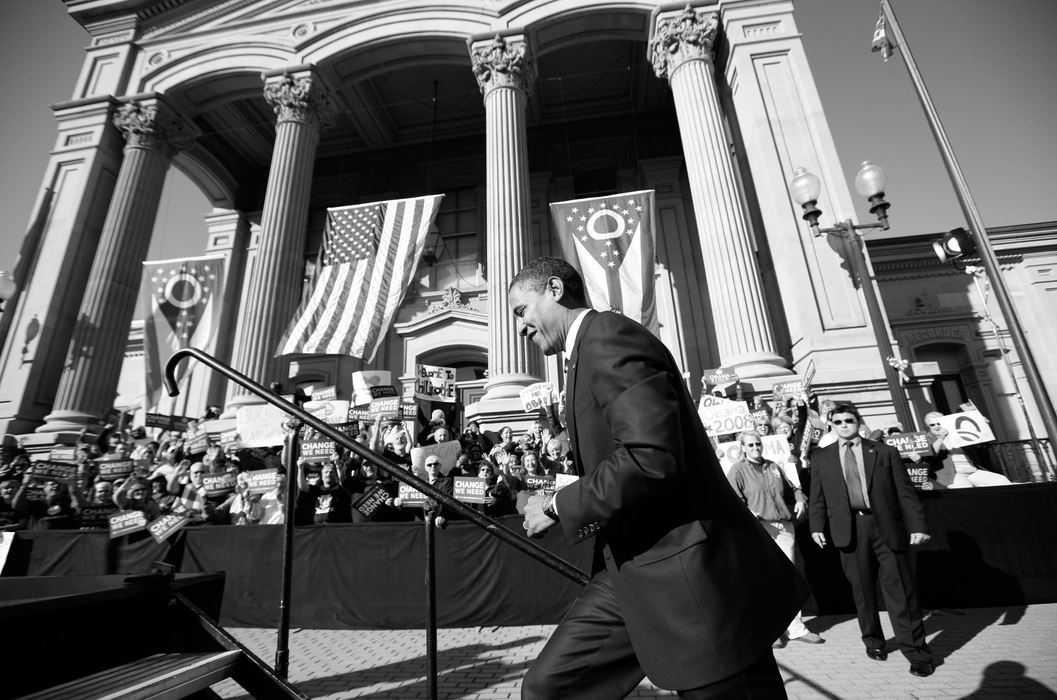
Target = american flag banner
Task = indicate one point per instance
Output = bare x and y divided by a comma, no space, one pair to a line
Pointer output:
183,308
369,256
611,241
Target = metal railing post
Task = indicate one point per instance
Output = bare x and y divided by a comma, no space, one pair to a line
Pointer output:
291,451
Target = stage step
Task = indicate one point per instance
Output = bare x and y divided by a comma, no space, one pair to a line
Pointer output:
158,677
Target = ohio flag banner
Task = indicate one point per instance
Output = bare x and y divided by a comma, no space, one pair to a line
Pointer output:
183,309
883,40
610,240
370,252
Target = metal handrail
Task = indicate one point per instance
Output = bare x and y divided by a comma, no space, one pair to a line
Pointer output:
519,542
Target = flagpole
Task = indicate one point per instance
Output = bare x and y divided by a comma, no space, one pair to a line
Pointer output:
983,242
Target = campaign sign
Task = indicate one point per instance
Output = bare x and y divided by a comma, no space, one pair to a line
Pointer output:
218,484
261,480
434,383
364,381
729,417
919,476
775,449
760,416
539,482
114,469
229,438
325,393
447,451
722,375
333,412
96,517
538,395
809,374
388,407
317,450
63,454
911,443
383,391
411,496
470,489
359,414
127,521
563,480
163,528
260,426
159,420
53,471
371,501
788,390
197,443
967,428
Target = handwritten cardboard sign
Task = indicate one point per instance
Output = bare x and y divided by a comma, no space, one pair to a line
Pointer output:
470,489
333,412
317,450
218,484
563,480
446,451
538,395
540,482
729,417
261,480
775,449
369,503
165,526
126,522
260,426
911,443
434,383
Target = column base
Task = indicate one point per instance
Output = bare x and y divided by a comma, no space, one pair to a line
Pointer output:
758,364
236,402
507,386
493,414
71,421
41,443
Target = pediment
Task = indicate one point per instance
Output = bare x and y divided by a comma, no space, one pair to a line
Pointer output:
297,19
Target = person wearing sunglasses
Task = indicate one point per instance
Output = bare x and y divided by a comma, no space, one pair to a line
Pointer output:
764,487
862,496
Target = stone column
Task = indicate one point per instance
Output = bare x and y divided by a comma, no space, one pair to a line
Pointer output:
97,350
302,106
505,71
681,51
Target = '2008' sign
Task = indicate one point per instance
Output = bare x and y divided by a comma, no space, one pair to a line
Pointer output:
723,418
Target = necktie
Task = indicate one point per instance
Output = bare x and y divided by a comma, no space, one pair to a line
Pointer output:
851,477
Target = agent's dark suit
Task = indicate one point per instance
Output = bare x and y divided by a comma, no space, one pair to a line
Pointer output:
875,542
687,586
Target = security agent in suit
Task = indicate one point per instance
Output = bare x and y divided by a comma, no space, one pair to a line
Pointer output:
686,587
861,493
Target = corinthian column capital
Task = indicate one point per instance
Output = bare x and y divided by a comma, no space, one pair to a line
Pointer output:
503,62
681,36
150,124
301,98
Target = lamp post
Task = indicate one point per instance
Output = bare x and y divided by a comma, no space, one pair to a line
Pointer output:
870,183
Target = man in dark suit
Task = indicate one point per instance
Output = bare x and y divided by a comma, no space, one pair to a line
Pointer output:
862,494
686,586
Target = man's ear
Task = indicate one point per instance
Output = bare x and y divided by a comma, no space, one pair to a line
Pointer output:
556,288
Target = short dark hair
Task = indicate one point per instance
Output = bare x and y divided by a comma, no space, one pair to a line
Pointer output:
844,407
535,274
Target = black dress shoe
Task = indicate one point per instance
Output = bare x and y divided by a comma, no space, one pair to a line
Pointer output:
921,669
876,653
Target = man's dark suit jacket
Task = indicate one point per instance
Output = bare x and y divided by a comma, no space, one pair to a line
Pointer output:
895,505
703,590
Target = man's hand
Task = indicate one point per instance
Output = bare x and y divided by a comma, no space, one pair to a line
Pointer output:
914,457
820,538
917,538
536,522
800,508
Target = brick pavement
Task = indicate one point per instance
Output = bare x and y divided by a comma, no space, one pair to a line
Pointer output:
984,653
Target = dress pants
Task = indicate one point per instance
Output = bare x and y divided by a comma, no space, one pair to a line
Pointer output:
870,561
590,657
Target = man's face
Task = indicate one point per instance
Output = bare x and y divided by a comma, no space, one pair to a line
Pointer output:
103,491
7,490
539,316
935,427
198,471
329,475
432,467
51,488
463,463
846,425
368,470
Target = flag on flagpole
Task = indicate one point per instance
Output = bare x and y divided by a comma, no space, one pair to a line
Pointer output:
370,252
610,240
183,309
882,38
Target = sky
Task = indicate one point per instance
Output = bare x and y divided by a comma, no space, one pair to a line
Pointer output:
989,67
